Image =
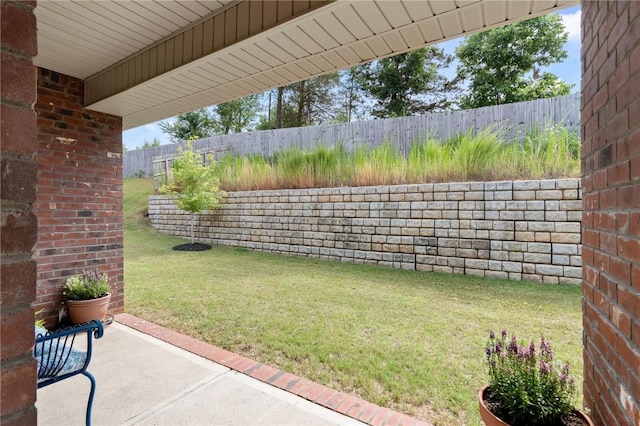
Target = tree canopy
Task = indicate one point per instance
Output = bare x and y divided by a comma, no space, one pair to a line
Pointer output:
191,125
410,83
237,115
351,96
503,65
303,103
146,144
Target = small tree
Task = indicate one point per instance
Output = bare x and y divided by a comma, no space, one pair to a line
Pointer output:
194,184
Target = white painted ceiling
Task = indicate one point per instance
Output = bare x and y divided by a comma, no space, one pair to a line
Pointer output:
82,38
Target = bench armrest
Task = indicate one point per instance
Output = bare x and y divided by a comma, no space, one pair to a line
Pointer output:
55,353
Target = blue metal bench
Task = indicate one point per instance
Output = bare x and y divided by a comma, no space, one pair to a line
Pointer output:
58,360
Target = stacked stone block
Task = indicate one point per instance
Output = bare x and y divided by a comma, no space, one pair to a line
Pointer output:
524,230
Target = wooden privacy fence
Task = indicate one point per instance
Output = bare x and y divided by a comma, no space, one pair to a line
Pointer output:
161,169
514,119
162,164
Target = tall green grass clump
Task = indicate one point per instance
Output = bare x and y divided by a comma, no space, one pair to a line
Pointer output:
329,166
380,165
428,160
475,157
549,152
246,173
544,153
292,170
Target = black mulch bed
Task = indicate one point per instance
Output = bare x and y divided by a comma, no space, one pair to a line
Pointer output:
192,247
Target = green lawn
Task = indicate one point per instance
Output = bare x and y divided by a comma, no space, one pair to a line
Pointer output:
407,340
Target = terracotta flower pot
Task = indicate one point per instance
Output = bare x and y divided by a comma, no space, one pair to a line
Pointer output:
490,419
86,310
487,416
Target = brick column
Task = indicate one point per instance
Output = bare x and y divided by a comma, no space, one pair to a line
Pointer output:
79,203
18,149
611,209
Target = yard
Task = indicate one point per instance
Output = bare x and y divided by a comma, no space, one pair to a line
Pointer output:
407,340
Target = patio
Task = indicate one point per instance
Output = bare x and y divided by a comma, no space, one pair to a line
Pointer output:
64,153
143,379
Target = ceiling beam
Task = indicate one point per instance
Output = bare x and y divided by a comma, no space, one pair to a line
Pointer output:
213,33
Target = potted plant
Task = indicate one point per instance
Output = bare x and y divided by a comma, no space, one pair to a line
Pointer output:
87,296
527,386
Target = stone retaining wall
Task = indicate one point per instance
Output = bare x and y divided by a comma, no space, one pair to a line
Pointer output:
524,230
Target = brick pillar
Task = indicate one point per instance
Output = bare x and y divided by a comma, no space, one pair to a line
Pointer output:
79,202
18,149
611,210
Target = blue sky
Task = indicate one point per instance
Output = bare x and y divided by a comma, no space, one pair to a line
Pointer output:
569,71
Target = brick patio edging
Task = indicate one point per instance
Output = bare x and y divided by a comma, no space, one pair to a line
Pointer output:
340,402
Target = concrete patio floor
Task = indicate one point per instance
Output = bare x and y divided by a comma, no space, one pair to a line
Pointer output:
143,380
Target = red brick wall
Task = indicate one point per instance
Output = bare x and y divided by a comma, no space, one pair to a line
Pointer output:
18,224
79,201
611,216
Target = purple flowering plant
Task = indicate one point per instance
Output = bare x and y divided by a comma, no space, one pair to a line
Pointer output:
86,286
527,385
